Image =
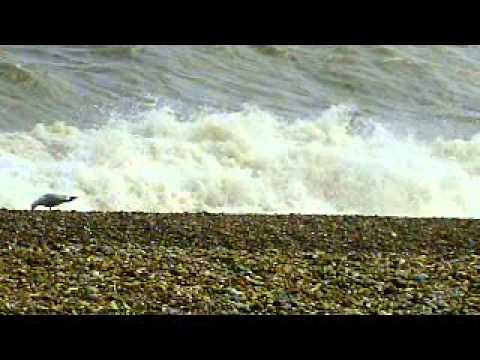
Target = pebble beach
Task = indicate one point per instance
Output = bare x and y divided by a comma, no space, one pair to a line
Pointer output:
57,262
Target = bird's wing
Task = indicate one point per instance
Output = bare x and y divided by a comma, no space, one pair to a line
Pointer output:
36,203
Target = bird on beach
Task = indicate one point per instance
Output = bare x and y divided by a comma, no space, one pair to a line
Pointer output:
51,200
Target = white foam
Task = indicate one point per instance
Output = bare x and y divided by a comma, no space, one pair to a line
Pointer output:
246,161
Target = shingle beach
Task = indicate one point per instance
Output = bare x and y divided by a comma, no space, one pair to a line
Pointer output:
56,262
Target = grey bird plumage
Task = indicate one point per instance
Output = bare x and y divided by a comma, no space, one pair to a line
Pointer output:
51,200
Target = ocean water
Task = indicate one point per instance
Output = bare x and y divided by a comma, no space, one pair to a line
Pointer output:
373,130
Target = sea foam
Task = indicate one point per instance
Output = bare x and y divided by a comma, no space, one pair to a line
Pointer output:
249,161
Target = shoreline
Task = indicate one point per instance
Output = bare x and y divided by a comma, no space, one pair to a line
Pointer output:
205,263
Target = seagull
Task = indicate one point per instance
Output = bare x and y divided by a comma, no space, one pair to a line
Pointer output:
51,200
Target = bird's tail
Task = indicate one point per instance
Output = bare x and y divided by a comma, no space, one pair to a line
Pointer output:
71,198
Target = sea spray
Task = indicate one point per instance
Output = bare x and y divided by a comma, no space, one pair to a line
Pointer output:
249,161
